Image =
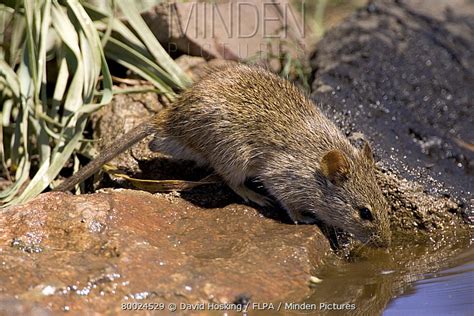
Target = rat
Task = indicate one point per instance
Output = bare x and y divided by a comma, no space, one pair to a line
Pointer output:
246,122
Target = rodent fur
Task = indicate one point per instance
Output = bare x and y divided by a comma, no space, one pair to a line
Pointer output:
247,122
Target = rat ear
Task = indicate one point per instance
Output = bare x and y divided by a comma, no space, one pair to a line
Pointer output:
335,166
367,153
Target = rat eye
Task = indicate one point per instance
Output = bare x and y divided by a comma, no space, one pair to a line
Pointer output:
366,214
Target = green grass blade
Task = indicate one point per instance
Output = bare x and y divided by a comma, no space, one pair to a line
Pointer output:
17,37
21,176
106,80
59,88
122,32
31,119
44,19
69,36
90,47
140,64
2,153
154,47
11,78
47,173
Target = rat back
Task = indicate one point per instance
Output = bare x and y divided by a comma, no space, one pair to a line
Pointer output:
239,118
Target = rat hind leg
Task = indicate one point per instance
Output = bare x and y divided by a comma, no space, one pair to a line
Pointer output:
173,147
234,176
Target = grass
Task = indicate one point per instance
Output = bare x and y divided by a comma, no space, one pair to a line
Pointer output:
54,74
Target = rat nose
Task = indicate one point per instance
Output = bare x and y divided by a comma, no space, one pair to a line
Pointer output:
381,241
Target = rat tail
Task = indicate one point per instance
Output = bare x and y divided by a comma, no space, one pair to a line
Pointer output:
117,147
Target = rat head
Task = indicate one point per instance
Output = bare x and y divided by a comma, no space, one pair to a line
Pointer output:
354,200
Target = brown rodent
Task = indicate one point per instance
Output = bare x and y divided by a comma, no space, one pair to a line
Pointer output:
247,122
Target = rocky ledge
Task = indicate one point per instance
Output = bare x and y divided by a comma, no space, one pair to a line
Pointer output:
93,252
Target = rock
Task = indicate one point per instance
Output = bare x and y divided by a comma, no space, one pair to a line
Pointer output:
90,253
189,63
197,67
228,29
401,72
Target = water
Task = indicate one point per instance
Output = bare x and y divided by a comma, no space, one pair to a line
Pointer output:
413,277
448,292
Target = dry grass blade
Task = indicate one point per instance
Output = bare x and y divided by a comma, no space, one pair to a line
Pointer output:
161,185
464,144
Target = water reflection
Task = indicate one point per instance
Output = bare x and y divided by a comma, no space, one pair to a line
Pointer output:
424,276
448,292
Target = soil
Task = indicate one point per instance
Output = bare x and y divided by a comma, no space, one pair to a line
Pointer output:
401,73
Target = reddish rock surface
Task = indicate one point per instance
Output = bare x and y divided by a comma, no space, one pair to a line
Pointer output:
90,253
